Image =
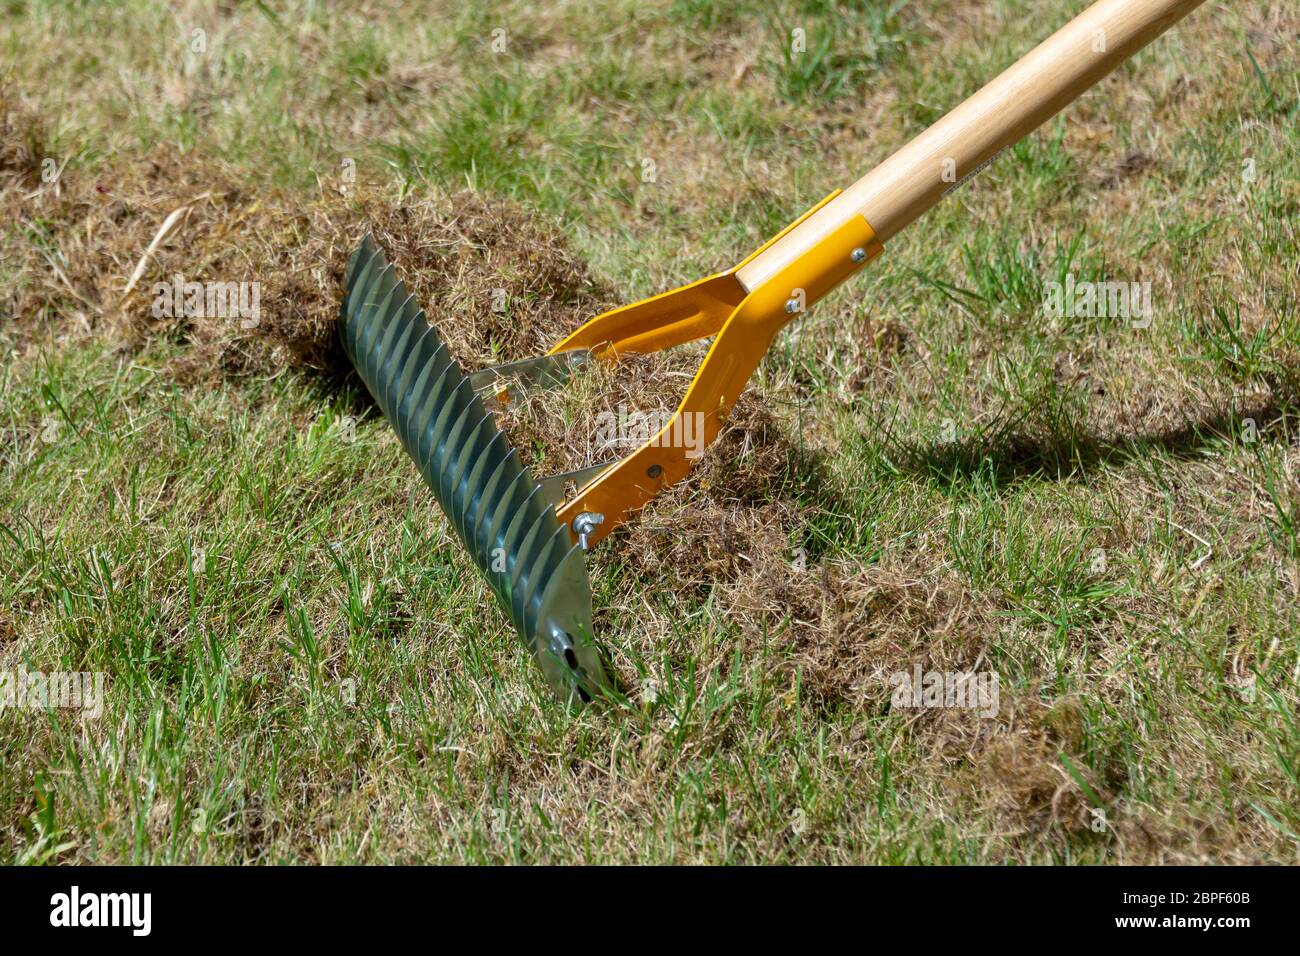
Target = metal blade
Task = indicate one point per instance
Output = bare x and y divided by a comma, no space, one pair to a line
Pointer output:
528,375
498,511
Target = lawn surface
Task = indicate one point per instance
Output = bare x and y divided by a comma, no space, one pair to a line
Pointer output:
929,471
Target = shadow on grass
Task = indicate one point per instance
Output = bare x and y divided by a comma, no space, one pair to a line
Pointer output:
1009,452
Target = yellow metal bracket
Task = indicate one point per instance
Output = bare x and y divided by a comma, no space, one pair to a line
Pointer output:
743,335
672,318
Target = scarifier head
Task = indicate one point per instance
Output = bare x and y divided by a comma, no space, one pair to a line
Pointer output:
523,534
502,516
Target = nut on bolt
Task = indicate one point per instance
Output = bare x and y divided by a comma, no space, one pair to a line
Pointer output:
584,524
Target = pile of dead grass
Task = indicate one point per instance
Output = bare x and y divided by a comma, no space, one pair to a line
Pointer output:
82,238
738,531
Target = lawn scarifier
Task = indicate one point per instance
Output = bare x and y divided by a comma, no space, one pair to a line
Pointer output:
525,536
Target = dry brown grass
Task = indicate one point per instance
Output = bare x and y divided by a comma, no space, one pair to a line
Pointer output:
454,251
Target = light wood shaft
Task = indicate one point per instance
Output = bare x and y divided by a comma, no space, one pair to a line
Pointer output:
1020,99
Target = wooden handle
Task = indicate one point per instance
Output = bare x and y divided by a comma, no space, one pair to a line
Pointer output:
1027,93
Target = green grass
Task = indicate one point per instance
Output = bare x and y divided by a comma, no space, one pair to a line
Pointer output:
301,666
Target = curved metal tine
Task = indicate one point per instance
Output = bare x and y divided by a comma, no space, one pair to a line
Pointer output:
375,333
413,410
448,403
435,385
365,252
523,522
402,396
535,579
525,556
453,446
393,363
362,280
515,489
473,483
470,447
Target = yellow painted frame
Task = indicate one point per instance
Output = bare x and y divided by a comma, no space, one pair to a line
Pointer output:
745,324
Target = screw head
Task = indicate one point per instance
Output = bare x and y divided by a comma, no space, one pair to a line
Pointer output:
654,471
858,254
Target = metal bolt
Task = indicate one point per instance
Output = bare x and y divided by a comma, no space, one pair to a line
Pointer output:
654,471
792,305
585,524
858,254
